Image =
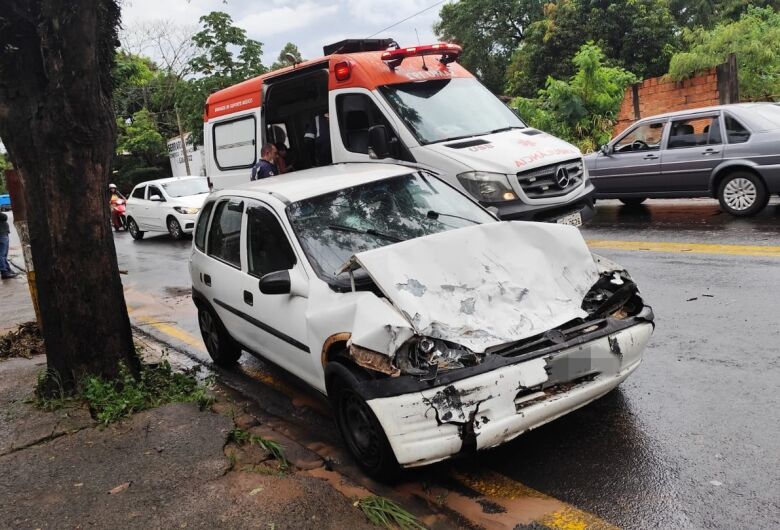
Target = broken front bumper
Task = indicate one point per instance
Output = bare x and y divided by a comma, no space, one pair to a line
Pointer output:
494,407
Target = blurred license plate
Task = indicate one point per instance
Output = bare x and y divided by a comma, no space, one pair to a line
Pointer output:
574,219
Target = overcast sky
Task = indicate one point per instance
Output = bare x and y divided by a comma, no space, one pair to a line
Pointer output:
307,23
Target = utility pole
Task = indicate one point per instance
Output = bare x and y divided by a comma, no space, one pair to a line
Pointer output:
183,143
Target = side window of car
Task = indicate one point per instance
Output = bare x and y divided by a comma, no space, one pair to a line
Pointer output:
645,137
268,248
200,228
154,190
357,113
225,233
694,132
735,131
138,193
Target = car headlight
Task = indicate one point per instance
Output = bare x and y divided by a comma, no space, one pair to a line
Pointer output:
423,355
488,187
185,210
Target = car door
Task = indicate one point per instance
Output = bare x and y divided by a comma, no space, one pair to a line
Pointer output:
219,275
633,162
275,324
136,205
694,147
155,208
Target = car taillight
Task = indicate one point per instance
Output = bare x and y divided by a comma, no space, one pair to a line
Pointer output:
449,53
342,70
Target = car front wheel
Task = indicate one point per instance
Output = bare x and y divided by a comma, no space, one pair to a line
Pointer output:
359,427
174,228
742,194
222,349
132,226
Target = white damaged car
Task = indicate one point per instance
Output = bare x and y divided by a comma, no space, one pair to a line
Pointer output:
433,328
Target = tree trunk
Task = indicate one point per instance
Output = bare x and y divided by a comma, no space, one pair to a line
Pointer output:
57,122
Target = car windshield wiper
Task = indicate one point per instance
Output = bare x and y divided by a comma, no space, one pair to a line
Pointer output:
370,232
433,214
507,128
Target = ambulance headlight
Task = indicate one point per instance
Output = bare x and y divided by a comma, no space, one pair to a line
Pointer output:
488,187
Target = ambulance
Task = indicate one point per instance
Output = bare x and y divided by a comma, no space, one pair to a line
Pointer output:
369,100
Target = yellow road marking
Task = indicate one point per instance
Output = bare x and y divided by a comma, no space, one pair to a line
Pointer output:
561,516
693,248
171,331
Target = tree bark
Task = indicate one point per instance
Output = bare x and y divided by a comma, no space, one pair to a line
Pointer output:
57,122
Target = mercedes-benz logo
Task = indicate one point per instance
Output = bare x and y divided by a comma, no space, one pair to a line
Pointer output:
562,177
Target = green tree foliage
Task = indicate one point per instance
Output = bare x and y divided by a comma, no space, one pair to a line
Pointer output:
289,56
754,38
4,164
489,32
638,35
140,137
583,109
708,13
225,56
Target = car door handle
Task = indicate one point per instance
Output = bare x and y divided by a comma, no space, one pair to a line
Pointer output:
207,279
710,152
248,299
651,157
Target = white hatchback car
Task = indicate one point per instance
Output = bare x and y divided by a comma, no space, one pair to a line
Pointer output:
166,205
433,328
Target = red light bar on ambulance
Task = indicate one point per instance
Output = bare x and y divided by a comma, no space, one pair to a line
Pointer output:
448,52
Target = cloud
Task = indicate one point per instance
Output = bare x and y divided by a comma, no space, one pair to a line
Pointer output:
285,18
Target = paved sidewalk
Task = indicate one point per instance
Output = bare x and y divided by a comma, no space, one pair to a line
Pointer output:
170,467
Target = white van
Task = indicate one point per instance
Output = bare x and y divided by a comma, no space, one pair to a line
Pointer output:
367,100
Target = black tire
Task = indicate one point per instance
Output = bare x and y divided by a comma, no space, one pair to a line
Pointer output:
742,194
633,201
174,228
223,350
361,431
132,227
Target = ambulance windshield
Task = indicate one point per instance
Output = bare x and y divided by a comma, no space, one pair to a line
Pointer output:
449,109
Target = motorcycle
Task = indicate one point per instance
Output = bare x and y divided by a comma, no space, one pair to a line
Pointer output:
118,217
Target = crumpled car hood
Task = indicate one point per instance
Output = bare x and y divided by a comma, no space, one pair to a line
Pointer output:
485,285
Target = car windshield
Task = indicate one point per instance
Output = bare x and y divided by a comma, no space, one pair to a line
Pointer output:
449,109
184,187
333,227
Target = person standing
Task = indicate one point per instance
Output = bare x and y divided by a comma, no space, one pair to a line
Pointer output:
265,167
5,241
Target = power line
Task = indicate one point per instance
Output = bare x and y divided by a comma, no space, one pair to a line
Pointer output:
407,18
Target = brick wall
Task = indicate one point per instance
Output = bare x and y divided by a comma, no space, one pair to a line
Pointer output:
658,95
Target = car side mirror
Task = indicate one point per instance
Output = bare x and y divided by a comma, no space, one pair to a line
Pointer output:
605,150
285,282
277,282
378,142
156,198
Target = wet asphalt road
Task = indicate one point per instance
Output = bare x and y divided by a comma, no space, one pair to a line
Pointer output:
692,439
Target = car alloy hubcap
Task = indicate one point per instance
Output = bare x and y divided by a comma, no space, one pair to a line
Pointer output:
133,228
174,227
740,193
209,331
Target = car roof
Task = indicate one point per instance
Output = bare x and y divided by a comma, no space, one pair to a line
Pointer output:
701,110
167,180
299,185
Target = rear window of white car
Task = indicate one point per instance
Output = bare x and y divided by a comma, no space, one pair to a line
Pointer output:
225,232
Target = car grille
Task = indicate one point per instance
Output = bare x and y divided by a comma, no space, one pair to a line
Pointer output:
543,181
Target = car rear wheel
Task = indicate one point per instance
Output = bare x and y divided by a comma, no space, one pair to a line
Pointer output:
633,201
132,227
359,427
222,349
742,194
174,228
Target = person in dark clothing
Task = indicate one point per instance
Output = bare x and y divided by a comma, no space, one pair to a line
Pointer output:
5,231
317,140
265,167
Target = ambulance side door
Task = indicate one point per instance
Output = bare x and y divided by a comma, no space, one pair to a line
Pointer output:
356,111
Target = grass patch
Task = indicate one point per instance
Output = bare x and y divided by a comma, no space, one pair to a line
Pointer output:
275,449
157,385
384,512
56,397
